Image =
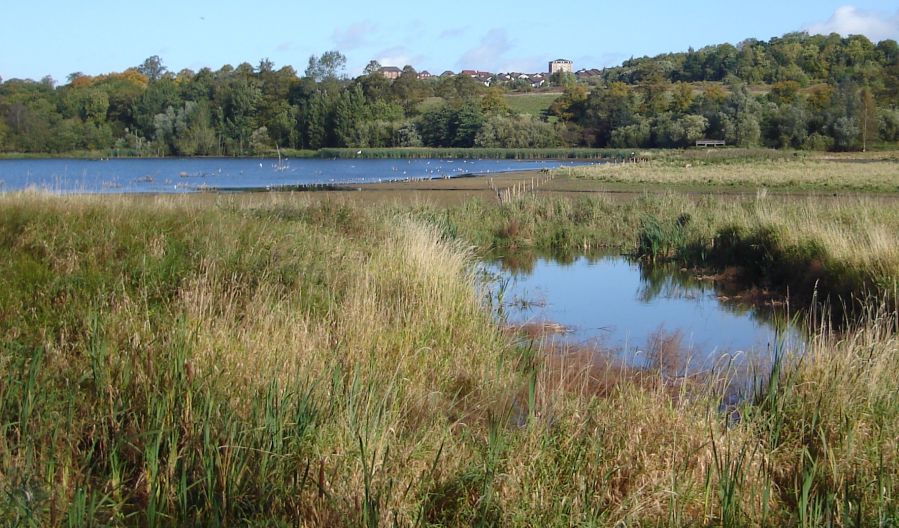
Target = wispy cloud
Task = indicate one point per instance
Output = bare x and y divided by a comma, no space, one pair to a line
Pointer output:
530,64
489,54
453,32
354,36
398,56
849,20
284,46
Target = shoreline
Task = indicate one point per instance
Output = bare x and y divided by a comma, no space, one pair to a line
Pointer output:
523,154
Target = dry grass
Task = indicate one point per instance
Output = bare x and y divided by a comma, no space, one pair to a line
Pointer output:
851,174
263,361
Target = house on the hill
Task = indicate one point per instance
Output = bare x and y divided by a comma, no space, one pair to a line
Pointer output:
390,72
486,78
425,75
537,80
561,65
584,73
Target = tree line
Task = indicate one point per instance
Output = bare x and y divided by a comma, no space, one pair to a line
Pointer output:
798,91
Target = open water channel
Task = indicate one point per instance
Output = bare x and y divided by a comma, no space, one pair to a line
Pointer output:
631,310
611,301
181,175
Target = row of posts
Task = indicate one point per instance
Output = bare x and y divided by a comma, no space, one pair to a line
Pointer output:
521,188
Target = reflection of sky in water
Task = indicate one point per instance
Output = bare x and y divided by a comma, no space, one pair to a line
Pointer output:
607,300
175,175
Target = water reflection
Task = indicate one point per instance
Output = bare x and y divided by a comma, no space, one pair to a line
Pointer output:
643,313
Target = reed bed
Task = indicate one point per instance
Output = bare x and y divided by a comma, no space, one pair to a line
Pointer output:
266,361
849,244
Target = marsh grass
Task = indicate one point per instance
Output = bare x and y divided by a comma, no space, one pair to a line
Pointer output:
844,248
800,173
270,361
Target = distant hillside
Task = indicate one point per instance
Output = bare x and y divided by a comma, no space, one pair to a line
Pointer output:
798,57
796,91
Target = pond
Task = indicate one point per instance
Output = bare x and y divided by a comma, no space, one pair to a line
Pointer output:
633,310
179,175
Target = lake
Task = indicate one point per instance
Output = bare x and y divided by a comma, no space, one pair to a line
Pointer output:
631,309
179,175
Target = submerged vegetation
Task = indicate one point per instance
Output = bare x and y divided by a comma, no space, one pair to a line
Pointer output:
283,359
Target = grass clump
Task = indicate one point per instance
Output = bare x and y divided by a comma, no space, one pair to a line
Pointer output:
841,247
227,363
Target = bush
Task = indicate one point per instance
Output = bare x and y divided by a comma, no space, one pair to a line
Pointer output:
818,142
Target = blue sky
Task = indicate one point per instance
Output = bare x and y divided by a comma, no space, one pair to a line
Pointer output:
58,37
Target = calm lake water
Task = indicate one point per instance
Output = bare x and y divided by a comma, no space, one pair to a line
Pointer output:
176,175
627,308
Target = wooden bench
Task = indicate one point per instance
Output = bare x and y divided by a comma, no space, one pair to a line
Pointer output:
710,143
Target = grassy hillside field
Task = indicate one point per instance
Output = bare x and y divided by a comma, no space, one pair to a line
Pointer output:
535,104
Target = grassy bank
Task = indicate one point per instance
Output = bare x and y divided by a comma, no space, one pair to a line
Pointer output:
474,153
837,247
373,153
261,360
134,153
78,154
718,170
535,104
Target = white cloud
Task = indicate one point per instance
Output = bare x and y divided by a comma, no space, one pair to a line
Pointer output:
354,36
531,64
498,53
849,20
489,54
398,56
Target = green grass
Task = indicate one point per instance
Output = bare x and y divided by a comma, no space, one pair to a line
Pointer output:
829,246
263,360
78,154
535,104
430,103
750,171
474,153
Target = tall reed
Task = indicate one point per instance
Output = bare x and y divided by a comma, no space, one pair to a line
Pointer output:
267,361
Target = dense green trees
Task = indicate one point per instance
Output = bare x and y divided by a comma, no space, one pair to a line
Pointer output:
813,92
794,57
796,91
241,110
